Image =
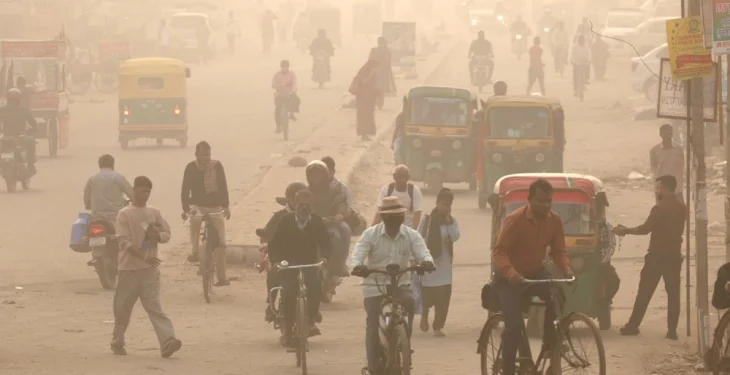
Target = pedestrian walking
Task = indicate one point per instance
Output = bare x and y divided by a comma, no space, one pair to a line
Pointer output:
163,38
385,84
536,71
664,258
599,56
140,228
364,87
440,230
205,191
667,158
408,193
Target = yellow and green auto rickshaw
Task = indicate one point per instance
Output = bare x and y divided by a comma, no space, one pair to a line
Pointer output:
518,134
437,145
153,100
581,203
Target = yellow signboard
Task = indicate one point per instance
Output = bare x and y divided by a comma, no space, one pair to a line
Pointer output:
687,53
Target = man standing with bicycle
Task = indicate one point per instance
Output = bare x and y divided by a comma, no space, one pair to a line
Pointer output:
205,191
521,248
301,238
284,84
389,242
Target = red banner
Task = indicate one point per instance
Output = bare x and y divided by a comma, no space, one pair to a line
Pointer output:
51,49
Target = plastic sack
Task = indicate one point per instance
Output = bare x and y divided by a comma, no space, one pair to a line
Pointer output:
78,234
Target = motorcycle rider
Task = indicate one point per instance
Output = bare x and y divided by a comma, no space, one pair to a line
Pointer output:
17,121
546,21
481,47
331,204
285,85
272,279
519,27
500,88
322,44
267,29
559,41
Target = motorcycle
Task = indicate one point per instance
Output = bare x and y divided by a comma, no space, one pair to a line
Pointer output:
321,68
561,59
519,46
479,73
15,166
101,239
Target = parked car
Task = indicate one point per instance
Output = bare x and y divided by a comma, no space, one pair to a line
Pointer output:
662,8
643,79
649,34
621,22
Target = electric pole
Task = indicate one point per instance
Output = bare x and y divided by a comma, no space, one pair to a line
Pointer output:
700,198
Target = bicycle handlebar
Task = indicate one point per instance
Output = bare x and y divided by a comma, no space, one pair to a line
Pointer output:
386,272
549,281
284,265
197,214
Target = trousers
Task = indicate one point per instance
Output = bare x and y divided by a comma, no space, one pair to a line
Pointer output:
144,285
536,74
656,267
438,297
340,248
290,291
220,227
372,324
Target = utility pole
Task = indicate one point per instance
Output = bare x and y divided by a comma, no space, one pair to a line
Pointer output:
727,159
698,145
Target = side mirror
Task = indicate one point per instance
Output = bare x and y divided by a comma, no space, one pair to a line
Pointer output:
493,200
281,201
187,72
602,198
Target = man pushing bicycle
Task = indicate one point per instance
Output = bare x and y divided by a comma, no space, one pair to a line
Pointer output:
387,243
526,235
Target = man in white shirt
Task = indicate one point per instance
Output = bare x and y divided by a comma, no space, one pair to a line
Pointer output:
408,193
581,58
667,159
389,242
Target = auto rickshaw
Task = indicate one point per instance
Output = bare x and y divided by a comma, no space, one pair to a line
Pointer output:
581,203
518,134
153,100
437,146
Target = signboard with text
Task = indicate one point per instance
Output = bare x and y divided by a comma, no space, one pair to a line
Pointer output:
687,53
721,27
672,101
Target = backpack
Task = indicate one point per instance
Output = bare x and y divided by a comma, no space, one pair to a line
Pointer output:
391,188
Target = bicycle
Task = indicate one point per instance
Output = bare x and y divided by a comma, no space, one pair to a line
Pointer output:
210,240
561,348
282,118
718,357
301,321
395,343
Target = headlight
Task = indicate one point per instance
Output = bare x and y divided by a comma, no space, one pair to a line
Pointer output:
501,18
473,22
540,158
417,143
457,145
577,263
497,158
518,37
546,29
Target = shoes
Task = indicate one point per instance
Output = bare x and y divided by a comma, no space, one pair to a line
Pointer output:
269,315
424,323
193,258
171,346
314,330
118,349
438,333
672,336
628,330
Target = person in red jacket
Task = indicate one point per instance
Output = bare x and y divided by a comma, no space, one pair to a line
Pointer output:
519,254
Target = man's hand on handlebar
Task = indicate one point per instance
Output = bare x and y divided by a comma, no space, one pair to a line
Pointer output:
427,266
361,270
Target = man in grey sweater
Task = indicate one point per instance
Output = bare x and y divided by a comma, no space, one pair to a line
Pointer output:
140,228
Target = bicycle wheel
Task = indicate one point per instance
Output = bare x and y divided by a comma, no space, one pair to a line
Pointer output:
206,268
490,345
572,356
302,334
720,347
401,351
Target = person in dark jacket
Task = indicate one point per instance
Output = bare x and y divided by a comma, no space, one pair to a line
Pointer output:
205,191
301,238
272,277
17,121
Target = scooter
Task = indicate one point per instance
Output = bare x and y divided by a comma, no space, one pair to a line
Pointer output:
14,164
519,46
479,75
102,241
321,68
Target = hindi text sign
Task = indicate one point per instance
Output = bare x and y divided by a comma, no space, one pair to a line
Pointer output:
687,53
672,101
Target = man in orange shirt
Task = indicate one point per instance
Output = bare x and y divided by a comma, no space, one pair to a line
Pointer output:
523,243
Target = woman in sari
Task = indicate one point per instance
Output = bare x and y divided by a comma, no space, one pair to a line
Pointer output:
364,88
385,83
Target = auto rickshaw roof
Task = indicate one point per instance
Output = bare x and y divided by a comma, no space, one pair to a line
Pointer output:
439,91
190,14
588,184
151,65
521,99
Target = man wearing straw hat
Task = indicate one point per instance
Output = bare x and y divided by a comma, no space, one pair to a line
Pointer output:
388,242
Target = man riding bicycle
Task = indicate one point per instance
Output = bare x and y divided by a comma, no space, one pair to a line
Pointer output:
389,242
518,255
284,84
272,277
301,238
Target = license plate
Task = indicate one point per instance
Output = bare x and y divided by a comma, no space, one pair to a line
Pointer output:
97,241
8,155
436,153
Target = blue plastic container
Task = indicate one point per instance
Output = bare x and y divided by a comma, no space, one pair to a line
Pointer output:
78,232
